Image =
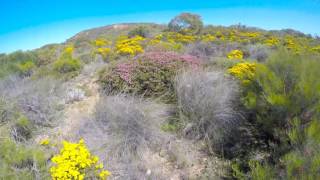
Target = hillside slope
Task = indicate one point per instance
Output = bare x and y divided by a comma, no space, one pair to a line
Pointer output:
176,101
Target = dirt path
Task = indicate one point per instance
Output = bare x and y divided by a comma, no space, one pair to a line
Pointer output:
76,111
176,159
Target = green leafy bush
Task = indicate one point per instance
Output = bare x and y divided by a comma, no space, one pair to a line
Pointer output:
67,65
22,129
25,68
8,63
18,161
139,31
282,99
186,23
302,162
287,86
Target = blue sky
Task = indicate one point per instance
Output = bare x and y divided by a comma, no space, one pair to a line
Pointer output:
29,24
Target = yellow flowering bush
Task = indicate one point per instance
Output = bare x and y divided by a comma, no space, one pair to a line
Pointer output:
316,49
291,44
273,41
76,162
175,37
155,40
100,42
104,52
235,54
208,38
243,71
69,50
129,46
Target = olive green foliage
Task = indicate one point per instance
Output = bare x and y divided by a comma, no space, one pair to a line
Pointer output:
22,129
47,54
67,64
302,162
17,161
287,86
10,63
139,31
25,68
283,101
186,23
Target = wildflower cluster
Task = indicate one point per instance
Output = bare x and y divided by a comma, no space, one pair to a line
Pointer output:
150,74
129,46
175,37
69,50
126,70
103,51
235,54
273,41
100,42
165,58
290,44
76,162
208,38
243,71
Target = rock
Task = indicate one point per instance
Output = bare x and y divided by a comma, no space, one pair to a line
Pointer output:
148,172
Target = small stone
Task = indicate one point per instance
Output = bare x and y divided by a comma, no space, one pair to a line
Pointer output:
148,172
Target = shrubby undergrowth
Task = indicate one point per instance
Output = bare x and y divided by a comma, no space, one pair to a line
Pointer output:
151,74
208,102
251,95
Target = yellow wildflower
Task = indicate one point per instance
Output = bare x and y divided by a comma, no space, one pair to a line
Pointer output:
208,38
101,42
74,161
235,54
129,46
44,142
243,71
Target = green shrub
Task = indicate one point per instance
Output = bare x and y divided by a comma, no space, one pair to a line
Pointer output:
302,162
66,65
287,86
186,23
18,161
282,100
22,129
139,31
25,68
8,63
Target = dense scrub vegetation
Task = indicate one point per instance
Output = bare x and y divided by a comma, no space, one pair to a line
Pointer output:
249,96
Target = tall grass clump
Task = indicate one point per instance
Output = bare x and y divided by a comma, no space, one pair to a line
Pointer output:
207,102
130,133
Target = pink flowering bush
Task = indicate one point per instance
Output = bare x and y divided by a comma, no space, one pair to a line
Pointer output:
150,74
